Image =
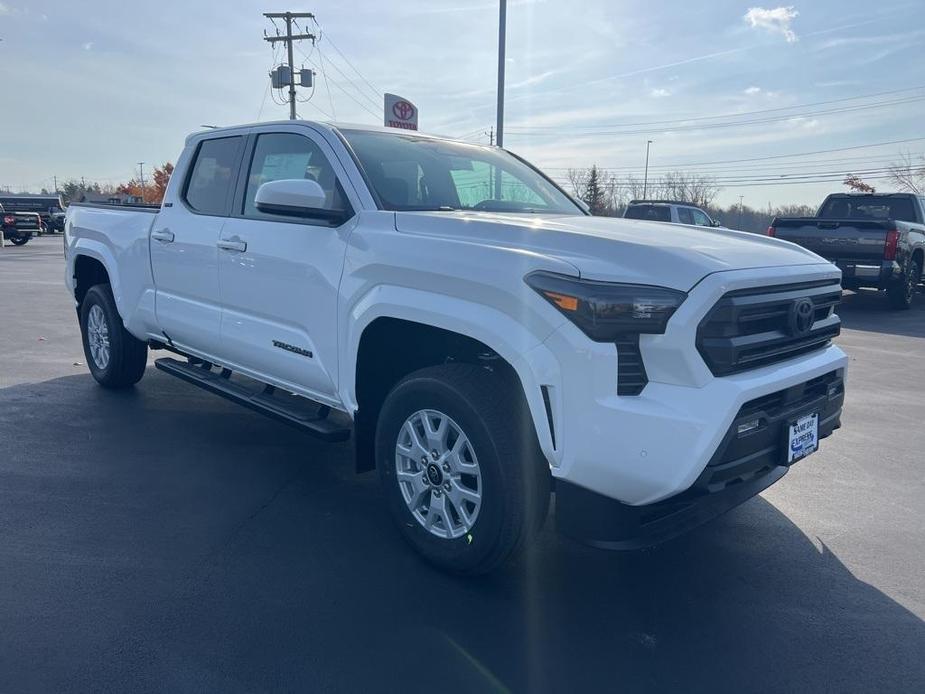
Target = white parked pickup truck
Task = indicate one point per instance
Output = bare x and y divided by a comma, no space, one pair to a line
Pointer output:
481,338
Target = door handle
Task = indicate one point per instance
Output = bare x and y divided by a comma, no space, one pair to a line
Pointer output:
233,245
163,235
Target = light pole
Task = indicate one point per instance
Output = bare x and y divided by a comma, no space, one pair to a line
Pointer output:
141,176
645,178
502,29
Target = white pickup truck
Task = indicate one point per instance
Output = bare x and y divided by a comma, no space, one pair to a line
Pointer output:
481,338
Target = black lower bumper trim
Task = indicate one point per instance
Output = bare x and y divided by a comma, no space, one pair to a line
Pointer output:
605,523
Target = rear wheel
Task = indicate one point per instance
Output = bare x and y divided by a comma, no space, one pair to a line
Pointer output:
115,357
460,466
900,294
21,240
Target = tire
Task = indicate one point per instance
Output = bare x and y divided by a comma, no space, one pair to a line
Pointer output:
101,326
901,293
21,240
512,479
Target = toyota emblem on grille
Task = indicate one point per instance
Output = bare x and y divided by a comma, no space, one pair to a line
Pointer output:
802,315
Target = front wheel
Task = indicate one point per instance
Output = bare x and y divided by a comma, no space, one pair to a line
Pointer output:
116,358
20,240
900,294
460,466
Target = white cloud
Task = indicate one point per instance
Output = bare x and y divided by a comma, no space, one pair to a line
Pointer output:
776,21
751,91
6,10
659,93
88,46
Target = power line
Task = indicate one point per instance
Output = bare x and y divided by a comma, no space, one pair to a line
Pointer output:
327,37
327,85
767,158
713,126
730,115
375,104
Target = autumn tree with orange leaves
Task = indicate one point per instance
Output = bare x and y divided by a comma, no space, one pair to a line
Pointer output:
153,192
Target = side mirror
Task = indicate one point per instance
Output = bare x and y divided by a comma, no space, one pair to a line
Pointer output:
296,197
583,205
716,223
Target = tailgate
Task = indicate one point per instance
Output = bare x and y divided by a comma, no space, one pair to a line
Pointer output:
849,240
27,222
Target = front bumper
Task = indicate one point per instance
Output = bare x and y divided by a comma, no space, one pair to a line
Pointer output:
640,450
751,457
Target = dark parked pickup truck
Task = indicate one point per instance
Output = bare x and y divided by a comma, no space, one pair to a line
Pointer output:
877,240
19,227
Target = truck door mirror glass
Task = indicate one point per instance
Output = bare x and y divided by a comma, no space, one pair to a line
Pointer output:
295,197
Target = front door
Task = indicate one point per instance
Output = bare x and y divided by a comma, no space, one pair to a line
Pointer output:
280,275
184,248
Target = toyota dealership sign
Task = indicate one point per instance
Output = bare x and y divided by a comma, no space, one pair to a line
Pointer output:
400,113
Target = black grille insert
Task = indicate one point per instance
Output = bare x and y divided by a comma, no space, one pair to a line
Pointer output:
753,327
631,371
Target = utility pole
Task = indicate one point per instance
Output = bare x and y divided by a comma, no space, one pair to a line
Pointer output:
502,30
645,178
56,184
141,176
741,212
289,38
491,135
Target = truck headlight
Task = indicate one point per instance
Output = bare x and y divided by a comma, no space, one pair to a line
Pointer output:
606,310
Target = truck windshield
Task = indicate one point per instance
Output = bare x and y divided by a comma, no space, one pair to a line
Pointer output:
868,207
412,172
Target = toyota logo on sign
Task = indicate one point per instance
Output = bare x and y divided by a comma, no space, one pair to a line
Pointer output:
400,113
402,110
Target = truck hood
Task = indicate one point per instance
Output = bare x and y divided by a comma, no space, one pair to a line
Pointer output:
613,248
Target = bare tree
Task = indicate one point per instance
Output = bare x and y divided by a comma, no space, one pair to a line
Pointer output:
578,181
908,174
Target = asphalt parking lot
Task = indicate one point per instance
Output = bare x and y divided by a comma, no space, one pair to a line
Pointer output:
161,539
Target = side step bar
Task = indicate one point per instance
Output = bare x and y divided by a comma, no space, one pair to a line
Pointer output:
312,418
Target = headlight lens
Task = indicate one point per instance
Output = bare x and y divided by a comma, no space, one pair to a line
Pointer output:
606,310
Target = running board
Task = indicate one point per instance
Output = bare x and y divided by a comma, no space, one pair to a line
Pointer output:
311,417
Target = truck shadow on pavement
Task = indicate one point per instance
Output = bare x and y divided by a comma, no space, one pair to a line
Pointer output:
870,311
161,539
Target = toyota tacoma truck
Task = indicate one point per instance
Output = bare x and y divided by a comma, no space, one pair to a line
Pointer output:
876,239
479,338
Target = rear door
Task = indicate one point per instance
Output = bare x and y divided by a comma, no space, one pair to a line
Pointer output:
280,275
184,247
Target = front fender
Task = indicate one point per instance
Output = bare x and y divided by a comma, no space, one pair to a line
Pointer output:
513,341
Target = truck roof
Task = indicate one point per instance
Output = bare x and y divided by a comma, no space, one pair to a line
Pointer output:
324,125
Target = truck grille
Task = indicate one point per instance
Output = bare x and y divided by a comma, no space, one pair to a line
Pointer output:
748,328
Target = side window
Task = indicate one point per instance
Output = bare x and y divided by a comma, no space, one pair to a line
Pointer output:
212,176
279,156
700,219
685,216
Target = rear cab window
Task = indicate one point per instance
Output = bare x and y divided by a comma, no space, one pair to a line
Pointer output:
212,176
652,213
872,207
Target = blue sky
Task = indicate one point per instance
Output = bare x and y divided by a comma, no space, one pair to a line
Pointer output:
101,85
